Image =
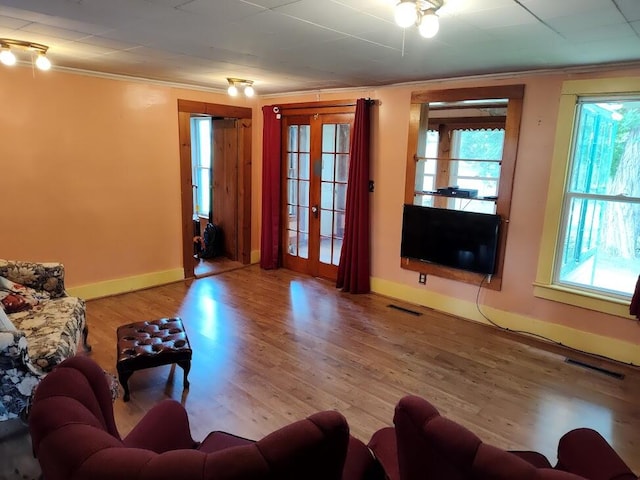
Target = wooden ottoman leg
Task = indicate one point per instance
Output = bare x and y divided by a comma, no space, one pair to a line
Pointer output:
123,377
186,366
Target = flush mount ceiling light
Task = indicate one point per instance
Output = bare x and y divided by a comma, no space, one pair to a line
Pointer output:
8,45
246,85
422,13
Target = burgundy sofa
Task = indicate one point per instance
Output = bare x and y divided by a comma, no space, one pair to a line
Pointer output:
424,445
74,437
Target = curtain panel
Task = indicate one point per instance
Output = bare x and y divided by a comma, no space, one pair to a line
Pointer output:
271,159
634,307
355,259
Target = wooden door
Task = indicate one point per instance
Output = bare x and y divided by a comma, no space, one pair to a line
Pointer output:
224,183
315,171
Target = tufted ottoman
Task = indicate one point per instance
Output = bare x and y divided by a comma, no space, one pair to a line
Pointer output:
151,344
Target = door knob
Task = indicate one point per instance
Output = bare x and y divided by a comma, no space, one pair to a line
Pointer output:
314,210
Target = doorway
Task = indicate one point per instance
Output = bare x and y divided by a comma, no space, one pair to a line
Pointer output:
229,186
315,159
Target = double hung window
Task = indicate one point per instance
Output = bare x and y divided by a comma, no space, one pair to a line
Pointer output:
599,242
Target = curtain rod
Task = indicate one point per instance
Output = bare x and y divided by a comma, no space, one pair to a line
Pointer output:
306,105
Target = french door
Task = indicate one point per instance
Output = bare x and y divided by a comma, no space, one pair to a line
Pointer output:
315,172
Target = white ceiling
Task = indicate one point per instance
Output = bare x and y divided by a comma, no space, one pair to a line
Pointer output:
295,45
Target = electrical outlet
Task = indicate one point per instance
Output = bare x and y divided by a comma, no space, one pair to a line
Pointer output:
422,278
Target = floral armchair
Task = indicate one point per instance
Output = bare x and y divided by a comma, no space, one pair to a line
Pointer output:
37,338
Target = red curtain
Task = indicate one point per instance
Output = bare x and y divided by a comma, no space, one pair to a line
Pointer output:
269,240
354,269
634,308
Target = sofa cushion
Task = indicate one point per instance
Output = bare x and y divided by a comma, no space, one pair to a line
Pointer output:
53,329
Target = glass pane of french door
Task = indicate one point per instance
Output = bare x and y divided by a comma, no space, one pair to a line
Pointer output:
298,190
333,190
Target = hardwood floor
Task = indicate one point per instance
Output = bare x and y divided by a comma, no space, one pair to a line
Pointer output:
271,347
206,267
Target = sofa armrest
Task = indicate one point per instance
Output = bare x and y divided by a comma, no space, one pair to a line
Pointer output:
585,452
48,277
165,427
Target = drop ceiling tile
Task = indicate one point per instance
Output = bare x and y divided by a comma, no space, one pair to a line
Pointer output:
457,31
287,31
22,14
169,3
269,3
630,9
54,32
86,50
499,17
465,7
108,43
95,14
330,15
386,38
585,20
553,8
604,32
537,36
225,11
601,52
381,9
12,23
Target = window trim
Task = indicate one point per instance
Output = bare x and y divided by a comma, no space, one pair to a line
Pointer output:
418,122
543,285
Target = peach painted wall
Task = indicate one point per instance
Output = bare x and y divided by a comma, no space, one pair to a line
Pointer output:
390,129
90,173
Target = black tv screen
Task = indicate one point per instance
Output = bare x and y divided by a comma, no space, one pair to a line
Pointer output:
463,240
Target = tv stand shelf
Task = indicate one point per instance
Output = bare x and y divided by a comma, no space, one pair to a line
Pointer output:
436,194
452,273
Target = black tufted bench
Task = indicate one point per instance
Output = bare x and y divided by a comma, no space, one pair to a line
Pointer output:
151,344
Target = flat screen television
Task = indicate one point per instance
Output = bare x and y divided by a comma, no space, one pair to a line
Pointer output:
463,240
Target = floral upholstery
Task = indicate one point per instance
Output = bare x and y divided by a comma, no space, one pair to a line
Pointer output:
47,277
46,334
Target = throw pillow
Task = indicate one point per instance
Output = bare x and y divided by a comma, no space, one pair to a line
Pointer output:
13,303
5,323
15,297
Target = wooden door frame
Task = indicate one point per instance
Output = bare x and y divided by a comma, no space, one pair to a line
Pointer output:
186,108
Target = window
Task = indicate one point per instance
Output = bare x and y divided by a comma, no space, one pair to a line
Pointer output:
599,247
201,164
474,163
465,138
590,252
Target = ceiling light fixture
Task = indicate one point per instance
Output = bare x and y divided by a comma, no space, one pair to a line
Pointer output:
7,57
422,13
247,85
